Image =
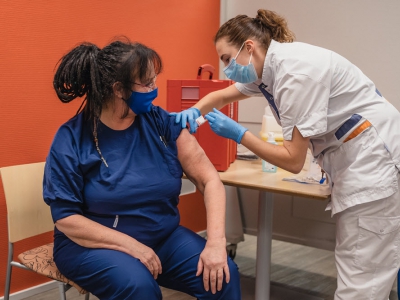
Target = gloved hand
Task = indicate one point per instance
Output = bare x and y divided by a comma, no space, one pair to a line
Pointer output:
188,116
225,126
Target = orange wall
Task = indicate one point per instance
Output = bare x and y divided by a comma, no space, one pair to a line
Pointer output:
33,37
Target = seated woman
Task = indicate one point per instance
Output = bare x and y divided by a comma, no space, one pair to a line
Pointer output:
113,178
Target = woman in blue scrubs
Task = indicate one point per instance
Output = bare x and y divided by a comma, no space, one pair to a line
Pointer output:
112,180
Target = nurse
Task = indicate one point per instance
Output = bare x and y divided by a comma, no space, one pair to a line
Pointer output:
325,103
113,178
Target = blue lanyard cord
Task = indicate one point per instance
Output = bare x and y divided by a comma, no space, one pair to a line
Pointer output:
269,98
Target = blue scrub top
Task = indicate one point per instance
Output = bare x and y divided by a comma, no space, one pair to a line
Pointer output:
141,183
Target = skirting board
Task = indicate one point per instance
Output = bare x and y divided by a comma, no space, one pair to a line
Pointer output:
315,243
33,290
52,284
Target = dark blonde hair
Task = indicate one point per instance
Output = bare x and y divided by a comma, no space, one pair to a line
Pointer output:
265,26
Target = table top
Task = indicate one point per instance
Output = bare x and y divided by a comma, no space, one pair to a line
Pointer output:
249,174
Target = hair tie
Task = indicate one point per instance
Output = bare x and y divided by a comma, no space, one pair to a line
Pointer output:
257,20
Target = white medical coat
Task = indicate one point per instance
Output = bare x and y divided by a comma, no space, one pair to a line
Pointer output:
317,90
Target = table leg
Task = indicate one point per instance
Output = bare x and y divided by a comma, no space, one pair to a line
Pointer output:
264,241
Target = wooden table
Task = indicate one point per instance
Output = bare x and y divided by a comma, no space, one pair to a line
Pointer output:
248,174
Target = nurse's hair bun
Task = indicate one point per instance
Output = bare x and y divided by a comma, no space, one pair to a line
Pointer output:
265,26
276,24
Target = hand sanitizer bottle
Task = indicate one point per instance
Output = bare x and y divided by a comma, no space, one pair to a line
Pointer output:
266,166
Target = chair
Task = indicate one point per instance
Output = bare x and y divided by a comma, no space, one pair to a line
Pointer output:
29,216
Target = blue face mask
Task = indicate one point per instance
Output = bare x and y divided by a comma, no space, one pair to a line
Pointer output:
239,73
140,103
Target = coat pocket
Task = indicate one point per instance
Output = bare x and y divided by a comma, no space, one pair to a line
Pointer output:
362,167
378,242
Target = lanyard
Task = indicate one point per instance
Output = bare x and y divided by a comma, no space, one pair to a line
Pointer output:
269,98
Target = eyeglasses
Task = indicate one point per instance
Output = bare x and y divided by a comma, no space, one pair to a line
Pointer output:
149,85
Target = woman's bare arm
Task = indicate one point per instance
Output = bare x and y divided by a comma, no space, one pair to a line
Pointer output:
90,234
199,169
202,173
291,156
219,99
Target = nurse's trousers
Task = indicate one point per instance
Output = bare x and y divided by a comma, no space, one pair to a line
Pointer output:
368,249
110,274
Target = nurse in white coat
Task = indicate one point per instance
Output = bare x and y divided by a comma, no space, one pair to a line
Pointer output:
325,103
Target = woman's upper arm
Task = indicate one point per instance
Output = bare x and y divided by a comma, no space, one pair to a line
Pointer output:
194,161
232,94
303,103
63,179
219,99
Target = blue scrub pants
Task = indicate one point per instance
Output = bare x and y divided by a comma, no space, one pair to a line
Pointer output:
110,274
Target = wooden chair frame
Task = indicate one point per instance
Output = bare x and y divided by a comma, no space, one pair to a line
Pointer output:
29,216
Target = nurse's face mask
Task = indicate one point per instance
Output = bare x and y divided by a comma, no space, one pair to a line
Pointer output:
239,73
140,102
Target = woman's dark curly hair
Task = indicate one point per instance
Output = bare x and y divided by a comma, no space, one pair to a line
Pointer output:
91,71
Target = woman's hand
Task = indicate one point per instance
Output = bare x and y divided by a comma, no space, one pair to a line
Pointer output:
213,264
187,116
147,257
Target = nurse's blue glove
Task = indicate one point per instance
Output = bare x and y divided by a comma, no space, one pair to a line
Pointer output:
188,116
225,126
